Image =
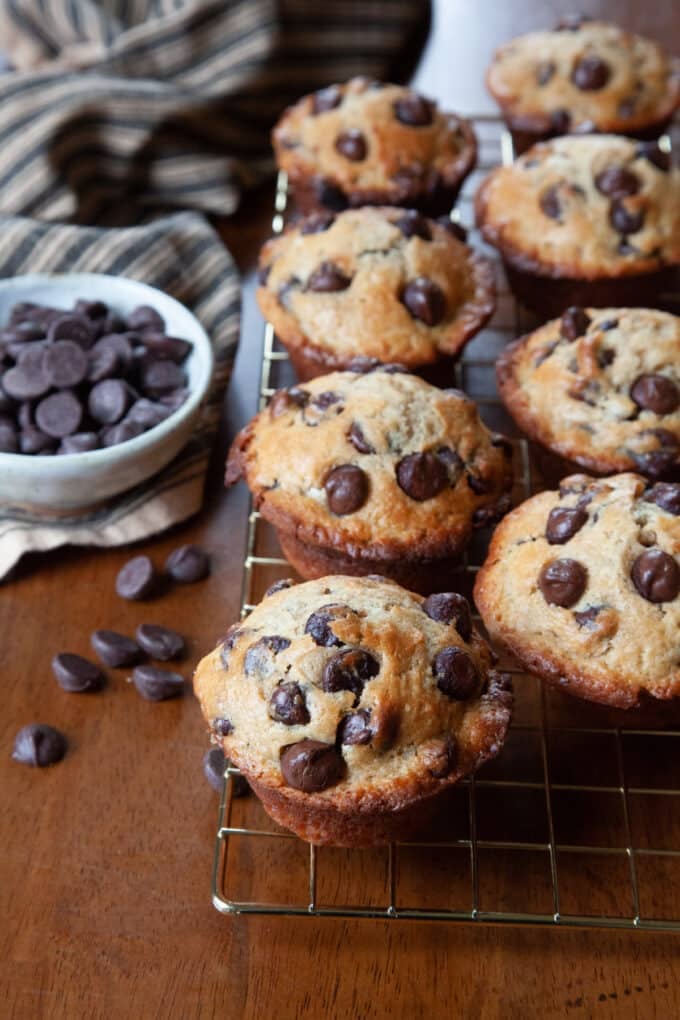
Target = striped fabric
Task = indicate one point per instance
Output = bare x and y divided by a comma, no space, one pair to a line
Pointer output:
123,122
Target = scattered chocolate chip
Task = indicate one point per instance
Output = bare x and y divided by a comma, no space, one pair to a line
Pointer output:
214,767
136,579
188,564
39,745
563,523
285,582
455,673
451,608
352,145
328,279
549,201
413,110
624,220
355,728
655,393
115,649
425,300
317,222
358,439
562,582
222,727
617,182
422,476
258,659
311,766
77,675
441,761
331,196
318,625
156,684
412,224
349,670
666,495
590,73
144,317
60,414
287,705
346,489
653,152
160,642
326,99
574,323
656,576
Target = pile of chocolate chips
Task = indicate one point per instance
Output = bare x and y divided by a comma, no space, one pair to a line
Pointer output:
84,379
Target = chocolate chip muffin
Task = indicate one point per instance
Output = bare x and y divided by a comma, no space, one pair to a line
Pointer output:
585,75
352,705
370,143
582,585
383,283
601,388
585,221
373,472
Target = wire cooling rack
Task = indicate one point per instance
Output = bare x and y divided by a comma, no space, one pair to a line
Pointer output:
577,823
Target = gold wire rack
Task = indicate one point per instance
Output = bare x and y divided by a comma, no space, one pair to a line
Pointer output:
577,824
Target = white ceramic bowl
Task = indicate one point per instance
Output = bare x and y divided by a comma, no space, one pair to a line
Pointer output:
78,480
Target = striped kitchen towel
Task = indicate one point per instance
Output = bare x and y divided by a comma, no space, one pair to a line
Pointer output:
122,124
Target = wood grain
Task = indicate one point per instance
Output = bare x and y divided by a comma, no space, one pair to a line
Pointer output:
105,859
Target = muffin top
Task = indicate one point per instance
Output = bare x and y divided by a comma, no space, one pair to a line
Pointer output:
592,206
374,141
583,74
381,282
356,690
583,584
601,387
377,464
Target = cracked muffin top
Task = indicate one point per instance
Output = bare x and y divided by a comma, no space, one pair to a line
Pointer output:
584,74
377,464
356,690
590,207
582,585
367,142
378,282
600,386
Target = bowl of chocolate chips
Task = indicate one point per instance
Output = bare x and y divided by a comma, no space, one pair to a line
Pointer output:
101,383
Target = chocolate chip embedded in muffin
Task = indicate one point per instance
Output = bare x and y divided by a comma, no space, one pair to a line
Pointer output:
352,145
346,489
455,673
328,279
562,582
413,110
574,323
425,301
319,625
656,576
563,524
287,705
422,476
355,728
412,224
590,73
656,393
311,766
450,607
349,670
665,495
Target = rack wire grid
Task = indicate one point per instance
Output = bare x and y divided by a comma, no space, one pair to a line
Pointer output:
577,823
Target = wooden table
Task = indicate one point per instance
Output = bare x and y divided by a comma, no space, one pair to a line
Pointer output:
105,859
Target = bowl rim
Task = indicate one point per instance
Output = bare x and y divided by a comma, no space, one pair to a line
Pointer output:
34,464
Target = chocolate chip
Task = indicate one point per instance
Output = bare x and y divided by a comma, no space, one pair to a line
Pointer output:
665,495
562,582
39,745
287,705
657,462
27,379
453,227
311,766
328,279
120,345
188,564
65,364
144,317
120,433
572,22
91,309
455,673
115,649
259,657
656,576
358,439
137,579
214,767
109,400
545,71
104,364
346,489
349,670
222,727
77,328
422,476
605,357
355,728
624,220
32,440
653,152
574,323
160,377
560,122
146,413
617,182
231,637
331,196
413,110
156,684
441,761
326,399
285,582
318,625
60,414
317,222
168,348
326,99
160,642
590,73
9,442
607,324
563,523
587,617
79,442
412,224
549,201
451,608
352,145
425,300
77,675
655,393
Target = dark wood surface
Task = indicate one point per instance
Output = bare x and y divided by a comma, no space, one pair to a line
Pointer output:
105,859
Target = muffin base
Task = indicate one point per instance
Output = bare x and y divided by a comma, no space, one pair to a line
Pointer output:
310,362
523,136
553,467
310,196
